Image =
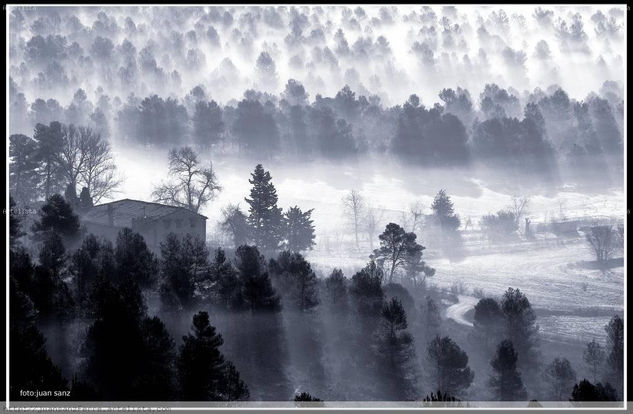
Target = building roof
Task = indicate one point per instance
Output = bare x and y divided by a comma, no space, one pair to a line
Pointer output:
123,211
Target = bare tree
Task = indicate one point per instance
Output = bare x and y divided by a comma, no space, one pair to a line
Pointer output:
371,223
86,161
98,172
191,185
519,207
353,204
600,238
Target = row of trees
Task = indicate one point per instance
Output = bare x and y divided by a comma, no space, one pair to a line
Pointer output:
551,126
61,158
335,318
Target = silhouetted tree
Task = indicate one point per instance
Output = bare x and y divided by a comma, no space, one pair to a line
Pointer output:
224,281
134,260
31,366
295,278
366,290
444,213
506,381
257,290
450,370
184,262
299,229
521,328
395,246
57,215
304,396
586,391
202,369
488,321
193,185
265,218
396,354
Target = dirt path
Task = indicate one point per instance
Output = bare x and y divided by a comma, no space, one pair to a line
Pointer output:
457,311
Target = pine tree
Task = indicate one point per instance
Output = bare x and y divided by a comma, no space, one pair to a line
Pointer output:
396,354
224,281
265,218
444,211
134,259
202,369
397,248
521,328
58,216
257,290
506,382
488,322
450,370
296,280
299,229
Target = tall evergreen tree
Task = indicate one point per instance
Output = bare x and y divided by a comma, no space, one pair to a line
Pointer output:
299,229
396,354
444,212
225,281
257,290
265,218
506,381
202,369
450,371
134,259
521,328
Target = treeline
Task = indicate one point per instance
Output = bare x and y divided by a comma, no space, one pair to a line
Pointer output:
528,134
366,337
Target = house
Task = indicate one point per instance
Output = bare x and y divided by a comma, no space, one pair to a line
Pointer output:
153,221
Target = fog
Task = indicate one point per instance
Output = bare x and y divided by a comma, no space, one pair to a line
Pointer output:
483,144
